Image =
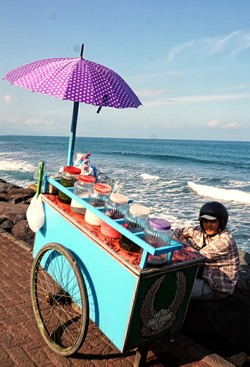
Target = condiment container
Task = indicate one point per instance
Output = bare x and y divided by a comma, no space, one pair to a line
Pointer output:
137,216
159,234
97,198
135,221
69,176
52,189
83,188
115,208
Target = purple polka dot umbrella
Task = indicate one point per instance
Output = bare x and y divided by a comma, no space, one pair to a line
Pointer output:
77,80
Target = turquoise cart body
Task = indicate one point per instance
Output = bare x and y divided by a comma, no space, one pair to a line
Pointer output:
131,303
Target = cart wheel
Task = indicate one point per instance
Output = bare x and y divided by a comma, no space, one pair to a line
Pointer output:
59,299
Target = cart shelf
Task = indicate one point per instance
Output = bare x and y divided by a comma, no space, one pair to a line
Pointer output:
176,252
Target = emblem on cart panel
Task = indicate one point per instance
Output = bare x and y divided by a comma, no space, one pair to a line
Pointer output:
156,321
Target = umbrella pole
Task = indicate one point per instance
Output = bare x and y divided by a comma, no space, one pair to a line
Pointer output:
72,136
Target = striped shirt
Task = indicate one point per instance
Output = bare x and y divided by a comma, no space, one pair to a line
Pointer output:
221,254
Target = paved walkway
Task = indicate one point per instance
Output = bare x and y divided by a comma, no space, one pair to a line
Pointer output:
22,345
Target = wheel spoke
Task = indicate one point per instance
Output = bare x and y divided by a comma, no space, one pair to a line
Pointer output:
59,299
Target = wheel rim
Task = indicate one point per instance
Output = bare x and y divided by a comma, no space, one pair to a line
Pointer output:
59,299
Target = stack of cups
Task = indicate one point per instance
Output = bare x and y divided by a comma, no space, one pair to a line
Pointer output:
82,161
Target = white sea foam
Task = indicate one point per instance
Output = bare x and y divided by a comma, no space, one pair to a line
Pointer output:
146,176
15,165
7,154
220,194
238,183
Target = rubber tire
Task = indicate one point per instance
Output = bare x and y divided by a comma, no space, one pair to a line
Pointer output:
84,318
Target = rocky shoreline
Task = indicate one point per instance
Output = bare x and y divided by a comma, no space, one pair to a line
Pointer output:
14,202
222,325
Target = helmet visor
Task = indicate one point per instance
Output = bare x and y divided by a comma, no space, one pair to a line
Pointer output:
207,216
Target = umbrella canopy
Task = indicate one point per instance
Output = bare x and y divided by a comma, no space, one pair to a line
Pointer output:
77,80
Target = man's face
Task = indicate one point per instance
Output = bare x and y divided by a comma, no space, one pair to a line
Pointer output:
211,227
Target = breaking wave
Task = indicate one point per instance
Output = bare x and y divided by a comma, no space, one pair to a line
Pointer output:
220,193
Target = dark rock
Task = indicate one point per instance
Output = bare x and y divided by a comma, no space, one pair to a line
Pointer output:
6,224
244,258
13,212
222,326
14,202
4,196
32,187
22,231
19,195
14,193
242,288
7,186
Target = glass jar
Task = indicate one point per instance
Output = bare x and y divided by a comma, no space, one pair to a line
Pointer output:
117,205
97,198
100,194
68,178
50,188
115,208
158,233
135,221
83,187
137,217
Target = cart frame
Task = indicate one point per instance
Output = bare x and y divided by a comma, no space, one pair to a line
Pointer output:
153,308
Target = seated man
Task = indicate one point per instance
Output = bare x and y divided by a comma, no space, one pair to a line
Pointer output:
218,277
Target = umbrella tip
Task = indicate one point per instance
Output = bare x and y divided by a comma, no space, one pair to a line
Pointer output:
82,48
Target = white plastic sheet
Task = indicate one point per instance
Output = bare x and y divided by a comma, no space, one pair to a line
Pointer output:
35,213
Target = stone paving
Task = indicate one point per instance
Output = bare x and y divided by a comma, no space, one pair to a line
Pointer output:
22,345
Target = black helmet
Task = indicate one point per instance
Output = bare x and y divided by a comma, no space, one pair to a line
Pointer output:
214,210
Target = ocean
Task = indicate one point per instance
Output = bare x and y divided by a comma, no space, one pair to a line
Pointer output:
173,177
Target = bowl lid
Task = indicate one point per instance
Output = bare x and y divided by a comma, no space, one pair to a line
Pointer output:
139,210
86,178
160,224
102,188
119,198
72,170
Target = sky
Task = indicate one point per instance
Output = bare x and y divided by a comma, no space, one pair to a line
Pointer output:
188,61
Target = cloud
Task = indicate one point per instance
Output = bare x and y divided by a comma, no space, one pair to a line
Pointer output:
232,125
232,43
6,98
150,93
19,122
172,125
234,87
9,119
217,124
197,99
213,123
36,121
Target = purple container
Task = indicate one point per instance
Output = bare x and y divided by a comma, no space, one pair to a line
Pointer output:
158,233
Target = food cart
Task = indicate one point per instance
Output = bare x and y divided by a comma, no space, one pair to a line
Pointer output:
79,274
